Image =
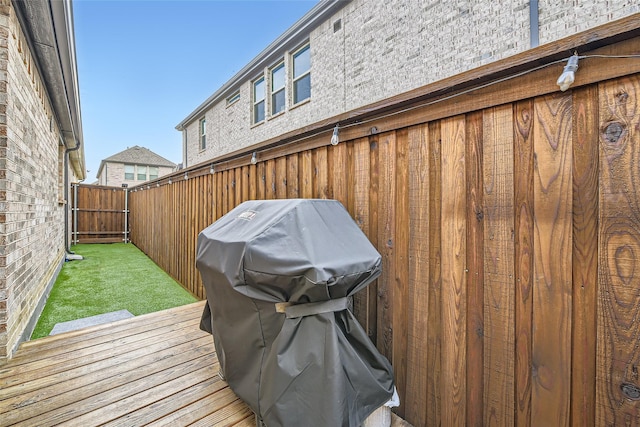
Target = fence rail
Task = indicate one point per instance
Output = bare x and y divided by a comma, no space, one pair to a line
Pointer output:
510,237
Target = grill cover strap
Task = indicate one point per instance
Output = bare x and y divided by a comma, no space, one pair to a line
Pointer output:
309,309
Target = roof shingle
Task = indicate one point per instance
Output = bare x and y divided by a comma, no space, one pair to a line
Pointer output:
140,155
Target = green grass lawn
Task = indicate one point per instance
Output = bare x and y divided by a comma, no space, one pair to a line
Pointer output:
111,277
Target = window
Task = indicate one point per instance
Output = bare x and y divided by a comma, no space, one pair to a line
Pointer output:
233,98
301,75
258,100
142,173
129,172
203,134
153,172
277,89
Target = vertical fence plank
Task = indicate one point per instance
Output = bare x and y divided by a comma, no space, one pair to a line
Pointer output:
320,173
523,256
434,311
585,256
400,302
293,190
245,184
281,177
499,290
386,241
619,235
270,179
337,173
374,181
361,166
453,247
261,181
237,184
552,261
419,272
475,267
253,182
306,175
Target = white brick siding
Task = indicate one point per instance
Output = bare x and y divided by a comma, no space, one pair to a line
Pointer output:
389,47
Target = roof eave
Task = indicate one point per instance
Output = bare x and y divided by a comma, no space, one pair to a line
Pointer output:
48,26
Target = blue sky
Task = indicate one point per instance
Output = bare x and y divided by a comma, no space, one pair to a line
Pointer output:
143,66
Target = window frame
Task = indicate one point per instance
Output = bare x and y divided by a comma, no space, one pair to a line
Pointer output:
202,133
133,174
307,73
155,176
138,169
233,98
273,92
255,103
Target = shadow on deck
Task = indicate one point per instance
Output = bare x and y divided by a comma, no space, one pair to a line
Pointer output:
155,369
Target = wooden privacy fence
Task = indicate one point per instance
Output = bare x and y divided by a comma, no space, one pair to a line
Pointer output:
100,214
508,220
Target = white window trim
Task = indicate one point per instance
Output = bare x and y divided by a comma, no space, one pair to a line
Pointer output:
283,88
254,103
202,133
233,98
304,46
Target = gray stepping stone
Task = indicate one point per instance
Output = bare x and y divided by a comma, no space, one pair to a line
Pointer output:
73,325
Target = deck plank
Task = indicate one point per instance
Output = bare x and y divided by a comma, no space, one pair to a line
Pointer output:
155,369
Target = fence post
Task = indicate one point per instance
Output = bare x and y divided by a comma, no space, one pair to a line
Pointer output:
126,215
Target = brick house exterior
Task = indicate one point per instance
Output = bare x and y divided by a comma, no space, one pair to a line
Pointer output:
41,152
133,166
363,51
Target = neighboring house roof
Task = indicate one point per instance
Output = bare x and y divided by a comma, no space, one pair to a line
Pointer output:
294,35
49,29
139,156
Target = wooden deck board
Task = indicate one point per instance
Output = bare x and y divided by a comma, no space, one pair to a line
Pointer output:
155,369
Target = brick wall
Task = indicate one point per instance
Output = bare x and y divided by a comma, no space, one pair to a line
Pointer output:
31,217
384,48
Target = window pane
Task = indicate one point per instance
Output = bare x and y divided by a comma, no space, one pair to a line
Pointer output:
302,89
258,112
203,134
129,172
277,78
258,91
142,173
233,98
153,172
277,102
301,62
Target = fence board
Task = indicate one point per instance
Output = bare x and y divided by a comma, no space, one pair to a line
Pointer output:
419,272
434,332
585,259
499,344
361,183
475,273
552,261
523,258
386,241
401,296
619,237
453,247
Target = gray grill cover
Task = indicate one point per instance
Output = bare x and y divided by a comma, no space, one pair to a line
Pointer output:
313,370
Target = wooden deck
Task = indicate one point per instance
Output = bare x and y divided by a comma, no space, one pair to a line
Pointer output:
157,369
